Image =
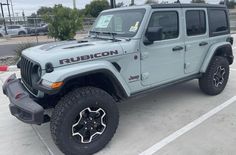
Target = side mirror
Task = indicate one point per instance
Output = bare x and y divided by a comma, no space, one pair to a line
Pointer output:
153,34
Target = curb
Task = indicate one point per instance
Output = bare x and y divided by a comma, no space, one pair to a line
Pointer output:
6,68
2,40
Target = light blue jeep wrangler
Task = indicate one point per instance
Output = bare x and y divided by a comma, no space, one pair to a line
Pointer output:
129,51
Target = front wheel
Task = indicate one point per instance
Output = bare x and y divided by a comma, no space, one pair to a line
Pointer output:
84,121
216,77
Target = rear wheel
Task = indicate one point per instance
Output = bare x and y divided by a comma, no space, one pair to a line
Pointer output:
216,77
21,33
84,121
1,35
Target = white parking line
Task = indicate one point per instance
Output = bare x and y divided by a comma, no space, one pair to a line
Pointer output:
156,147
232,69
41,139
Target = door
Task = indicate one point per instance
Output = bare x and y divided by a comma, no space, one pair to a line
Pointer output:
9,30
197,39
163,60
15,30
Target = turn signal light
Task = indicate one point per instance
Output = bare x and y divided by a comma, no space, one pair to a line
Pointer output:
56,85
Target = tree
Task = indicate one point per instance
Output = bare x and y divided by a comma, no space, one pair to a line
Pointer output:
198,1
230,4
44,10
151,2
95,7
63,23
120,4
31,18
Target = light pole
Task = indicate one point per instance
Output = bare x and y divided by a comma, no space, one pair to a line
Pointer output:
74,4
132,2
8,8
4,22
12,10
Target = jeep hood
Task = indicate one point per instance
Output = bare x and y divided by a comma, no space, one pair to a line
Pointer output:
69,52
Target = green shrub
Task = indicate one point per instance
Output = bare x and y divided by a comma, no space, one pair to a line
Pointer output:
63,23
21,47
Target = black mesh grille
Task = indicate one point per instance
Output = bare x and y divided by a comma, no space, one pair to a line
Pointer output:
26,67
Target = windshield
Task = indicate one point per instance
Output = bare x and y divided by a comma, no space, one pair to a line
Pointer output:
123,23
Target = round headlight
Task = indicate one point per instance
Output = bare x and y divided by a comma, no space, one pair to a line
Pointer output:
36,73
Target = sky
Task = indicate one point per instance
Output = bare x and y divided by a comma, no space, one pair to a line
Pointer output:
30,6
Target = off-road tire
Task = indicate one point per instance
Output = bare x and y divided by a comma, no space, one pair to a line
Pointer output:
206,82
70,105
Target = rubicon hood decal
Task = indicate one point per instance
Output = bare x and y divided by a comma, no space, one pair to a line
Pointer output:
88,57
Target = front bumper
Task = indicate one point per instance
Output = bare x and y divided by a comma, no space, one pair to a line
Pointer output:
22,106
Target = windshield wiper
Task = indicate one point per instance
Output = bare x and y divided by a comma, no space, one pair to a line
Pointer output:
96,32
113,34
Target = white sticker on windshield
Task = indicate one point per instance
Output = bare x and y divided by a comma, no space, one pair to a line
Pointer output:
134,28
104,21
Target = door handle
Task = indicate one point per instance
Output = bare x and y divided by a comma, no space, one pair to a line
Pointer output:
177,48
203,43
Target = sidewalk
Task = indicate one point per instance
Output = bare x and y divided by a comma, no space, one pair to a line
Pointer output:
2,40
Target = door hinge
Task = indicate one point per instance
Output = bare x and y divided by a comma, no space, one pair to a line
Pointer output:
144,55
144,76
186,65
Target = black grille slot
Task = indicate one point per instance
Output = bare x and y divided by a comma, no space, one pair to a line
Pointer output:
26,74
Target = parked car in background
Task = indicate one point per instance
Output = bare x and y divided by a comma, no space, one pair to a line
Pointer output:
14,30
41,30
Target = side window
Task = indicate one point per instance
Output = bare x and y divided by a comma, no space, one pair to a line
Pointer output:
167,24
218,21
9,27
15,27
195,22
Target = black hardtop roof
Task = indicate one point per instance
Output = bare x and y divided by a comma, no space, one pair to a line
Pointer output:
179,5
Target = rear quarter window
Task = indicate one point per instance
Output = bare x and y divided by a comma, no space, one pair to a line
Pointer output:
195,22
218,22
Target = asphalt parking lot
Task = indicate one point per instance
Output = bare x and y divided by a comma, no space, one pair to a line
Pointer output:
178,120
